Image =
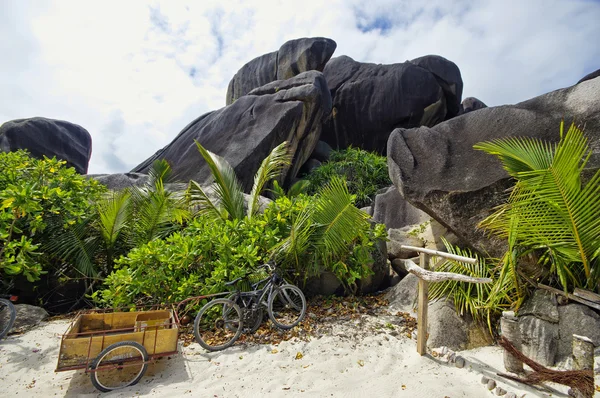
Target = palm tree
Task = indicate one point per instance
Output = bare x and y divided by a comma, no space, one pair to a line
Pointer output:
122,220
323,234
551,210
229,202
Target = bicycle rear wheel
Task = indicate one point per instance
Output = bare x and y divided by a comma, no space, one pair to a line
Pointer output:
218,324
8,314
287,306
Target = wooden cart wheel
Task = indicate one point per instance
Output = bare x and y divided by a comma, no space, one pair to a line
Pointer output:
119,365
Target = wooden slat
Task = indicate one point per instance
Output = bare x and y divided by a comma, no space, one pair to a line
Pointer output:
587,295
467,260
431,276
570,296
422,309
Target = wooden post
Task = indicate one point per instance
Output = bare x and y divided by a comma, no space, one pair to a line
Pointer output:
509,326
583,353
422,309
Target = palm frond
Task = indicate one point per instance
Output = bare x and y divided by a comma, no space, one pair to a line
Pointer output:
270,168
206,206
113,211
73,245
227,186
338,218
554,209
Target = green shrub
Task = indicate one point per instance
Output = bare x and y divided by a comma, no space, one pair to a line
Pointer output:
206,254
33,193
365,173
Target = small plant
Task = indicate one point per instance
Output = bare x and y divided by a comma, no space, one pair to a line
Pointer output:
364,172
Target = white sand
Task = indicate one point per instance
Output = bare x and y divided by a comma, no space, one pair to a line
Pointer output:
380,365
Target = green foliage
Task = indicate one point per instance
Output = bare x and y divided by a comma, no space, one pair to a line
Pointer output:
33,194
483,301
195,261
330,233
229,202
206,254
550,213
365,173
120,221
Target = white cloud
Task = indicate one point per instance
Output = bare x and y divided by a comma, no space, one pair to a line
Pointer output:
134,74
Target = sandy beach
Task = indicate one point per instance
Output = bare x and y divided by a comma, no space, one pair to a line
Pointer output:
347,361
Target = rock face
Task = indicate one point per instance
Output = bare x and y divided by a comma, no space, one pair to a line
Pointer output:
590,76
445,326
28,316
390,208
547,328
293,58
370,100
471,104
245,132
49,137
438,171
119,181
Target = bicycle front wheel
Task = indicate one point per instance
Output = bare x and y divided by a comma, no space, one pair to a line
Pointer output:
218,324
8,314
287,306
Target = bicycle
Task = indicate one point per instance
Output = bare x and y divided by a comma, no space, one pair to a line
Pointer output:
8,314
222,321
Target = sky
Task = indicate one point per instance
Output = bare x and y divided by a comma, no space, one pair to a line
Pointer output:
135,73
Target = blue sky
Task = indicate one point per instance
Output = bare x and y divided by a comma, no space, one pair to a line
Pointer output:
135,73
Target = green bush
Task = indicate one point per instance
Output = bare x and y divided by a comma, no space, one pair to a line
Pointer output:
365,173
33,193
206,254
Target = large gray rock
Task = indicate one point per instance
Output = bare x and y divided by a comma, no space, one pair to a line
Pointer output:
539,339
403,296
576,319
292,58
370,100
245,132
438,171
449,329
590,76
471,104
542,304
28,316
120,181
48,137
397,237
390,208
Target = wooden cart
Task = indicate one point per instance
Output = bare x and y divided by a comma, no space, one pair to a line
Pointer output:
115,348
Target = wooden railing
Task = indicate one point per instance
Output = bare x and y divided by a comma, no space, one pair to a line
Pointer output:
425,277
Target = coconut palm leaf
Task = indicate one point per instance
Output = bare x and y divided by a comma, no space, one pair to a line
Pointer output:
73,245
336,218
156,210
227,187
270,168
555,211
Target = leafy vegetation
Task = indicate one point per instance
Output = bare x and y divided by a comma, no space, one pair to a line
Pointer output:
33,195
364,172
483,301
120,221
551,215
551,221
305,234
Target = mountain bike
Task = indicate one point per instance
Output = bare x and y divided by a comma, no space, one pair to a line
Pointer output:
221,321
